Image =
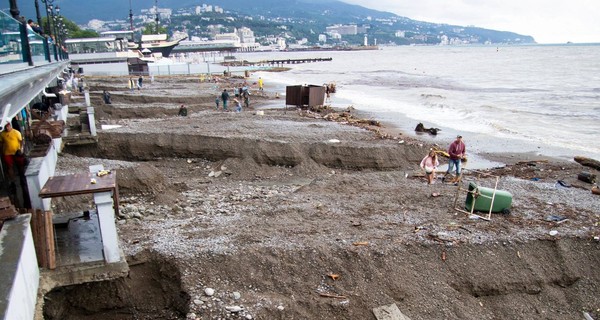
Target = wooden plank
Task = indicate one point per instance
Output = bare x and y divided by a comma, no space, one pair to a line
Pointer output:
51,250
40,234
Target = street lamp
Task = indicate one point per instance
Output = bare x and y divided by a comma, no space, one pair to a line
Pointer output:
48,5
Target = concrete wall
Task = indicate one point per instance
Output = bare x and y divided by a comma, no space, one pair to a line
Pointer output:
38,172
19,274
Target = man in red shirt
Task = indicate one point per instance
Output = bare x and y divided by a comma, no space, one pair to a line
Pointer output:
456,151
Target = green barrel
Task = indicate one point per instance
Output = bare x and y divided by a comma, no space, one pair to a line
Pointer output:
482,200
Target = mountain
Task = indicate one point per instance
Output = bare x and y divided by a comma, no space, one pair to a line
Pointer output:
307,18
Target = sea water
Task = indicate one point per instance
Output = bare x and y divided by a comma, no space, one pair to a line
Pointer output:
543,99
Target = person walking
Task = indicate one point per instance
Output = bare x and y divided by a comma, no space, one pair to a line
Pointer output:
456,152
429,164
246,96
260,84
131,84
11,142
106,97
225,98
217,101
238,105
140,80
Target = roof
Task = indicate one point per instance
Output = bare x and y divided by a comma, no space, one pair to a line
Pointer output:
154,37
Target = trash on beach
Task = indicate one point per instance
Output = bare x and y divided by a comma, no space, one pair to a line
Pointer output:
535,179
588,162
389,312
596,190
334,276
553,232
587,177
360,243
260,113
333,141
435,194
555,218
561,183
356,223
401,142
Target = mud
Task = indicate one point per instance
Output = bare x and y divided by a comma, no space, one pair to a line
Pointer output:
263,209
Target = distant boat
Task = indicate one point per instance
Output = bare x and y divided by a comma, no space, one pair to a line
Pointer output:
157,43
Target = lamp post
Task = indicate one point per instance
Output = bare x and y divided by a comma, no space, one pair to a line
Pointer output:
48,5
39,21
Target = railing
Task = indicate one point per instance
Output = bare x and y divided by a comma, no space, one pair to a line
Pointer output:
12,49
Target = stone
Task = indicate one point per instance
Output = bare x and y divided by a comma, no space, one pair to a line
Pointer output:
249,317
236,295
198,302
234,309
191,316
209,291
280,308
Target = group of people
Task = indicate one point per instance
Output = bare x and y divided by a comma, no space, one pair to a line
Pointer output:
132,84
456,153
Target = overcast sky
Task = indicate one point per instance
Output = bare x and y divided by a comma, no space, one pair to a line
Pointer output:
548,21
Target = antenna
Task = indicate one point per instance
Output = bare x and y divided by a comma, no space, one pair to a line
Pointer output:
130,16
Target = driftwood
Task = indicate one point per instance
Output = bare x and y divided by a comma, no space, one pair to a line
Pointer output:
588,162
421,128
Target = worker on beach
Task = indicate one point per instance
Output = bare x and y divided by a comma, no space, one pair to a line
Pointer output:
260,84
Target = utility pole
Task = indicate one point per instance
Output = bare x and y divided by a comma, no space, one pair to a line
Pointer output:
156,19
130,16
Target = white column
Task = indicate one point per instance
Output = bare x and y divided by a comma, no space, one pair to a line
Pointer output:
92,120
108,229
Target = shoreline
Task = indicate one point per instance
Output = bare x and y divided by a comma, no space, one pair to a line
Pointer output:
478,159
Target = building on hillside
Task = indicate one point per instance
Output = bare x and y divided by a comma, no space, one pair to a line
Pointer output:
343,29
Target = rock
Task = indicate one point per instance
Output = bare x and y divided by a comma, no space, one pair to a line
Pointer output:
209,291
218,173
191,316
198,302
553,232
211,174
249,317
234,309
280,308
236,295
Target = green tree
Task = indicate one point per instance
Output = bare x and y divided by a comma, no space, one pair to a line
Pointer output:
73,30
150,28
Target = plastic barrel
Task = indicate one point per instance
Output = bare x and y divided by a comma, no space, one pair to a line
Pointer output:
481,199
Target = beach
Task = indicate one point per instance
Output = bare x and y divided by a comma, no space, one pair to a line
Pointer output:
286,215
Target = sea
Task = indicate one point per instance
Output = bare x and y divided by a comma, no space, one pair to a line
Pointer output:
540,99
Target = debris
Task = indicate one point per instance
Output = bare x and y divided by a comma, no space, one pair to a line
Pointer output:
333,141
596,190
555,218
435,194
93,181
389,312
334,276
356,223
519,254
588,162
280,308
563,184
189,160
421,128
360,243
553,232
587,316
587,177
329,295
444,256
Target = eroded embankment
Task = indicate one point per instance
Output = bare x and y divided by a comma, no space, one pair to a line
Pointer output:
151,291
538,279
149,146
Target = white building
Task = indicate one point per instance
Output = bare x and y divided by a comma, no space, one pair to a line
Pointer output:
323,38
343,29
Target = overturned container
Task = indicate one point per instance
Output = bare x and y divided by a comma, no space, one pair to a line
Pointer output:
487,199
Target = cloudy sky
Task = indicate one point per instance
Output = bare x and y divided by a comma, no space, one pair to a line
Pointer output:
548,21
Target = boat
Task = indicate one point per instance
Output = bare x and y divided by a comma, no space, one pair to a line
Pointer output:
156,43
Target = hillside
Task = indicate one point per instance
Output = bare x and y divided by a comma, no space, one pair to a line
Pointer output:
303,18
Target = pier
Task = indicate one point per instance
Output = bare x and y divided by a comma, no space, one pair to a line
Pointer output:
294,61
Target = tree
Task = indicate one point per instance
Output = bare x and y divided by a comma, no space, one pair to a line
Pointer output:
72,29
150,28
